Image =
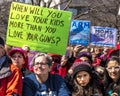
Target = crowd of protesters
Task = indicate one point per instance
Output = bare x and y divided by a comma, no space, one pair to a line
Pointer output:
82,71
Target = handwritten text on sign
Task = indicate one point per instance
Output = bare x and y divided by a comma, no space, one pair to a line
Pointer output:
40,28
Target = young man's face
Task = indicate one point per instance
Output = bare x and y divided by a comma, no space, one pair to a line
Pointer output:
2,50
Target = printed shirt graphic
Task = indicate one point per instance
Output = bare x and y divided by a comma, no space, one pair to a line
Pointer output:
54,86
43,91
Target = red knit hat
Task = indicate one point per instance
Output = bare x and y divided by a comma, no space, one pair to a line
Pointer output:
14,50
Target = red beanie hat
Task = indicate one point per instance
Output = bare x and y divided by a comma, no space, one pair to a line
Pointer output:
14,50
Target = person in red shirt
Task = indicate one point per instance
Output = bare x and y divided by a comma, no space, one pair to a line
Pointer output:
55,63
64,66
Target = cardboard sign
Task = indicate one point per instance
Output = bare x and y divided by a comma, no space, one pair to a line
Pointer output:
103,36
42,29
80,32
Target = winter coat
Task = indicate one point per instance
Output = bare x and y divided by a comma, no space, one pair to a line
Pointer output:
54,86
113,88
10,78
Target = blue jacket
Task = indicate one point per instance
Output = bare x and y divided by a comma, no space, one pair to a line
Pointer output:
54,86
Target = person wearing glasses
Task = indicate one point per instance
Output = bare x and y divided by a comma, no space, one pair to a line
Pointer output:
42,82
112,77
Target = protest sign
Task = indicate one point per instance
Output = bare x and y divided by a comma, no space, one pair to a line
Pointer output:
80,32
42,29
103,36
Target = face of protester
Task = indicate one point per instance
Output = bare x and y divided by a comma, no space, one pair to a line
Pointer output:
84,59
113,68
64,60
83,78
97,50
40,66
93,56
2,50
105,51
18,59
55,62
77,48
26,48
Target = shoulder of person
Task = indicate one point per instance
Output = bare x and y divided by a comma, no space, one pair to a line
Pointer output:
30,79
30,76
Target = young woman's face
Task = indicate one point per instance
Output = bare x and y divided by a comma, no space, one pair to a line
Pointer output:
83,78
18,59
113,69
41,67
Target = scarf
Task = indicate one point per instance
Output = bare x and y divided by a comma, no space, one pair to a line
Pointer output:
4,67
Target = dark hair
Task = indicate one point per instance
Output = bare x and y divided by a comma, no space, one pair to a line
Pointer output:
115,53
113,58
93,87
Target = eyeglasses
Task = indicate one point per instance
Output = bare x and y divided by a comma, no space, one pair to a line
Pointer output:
40,64
116,68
